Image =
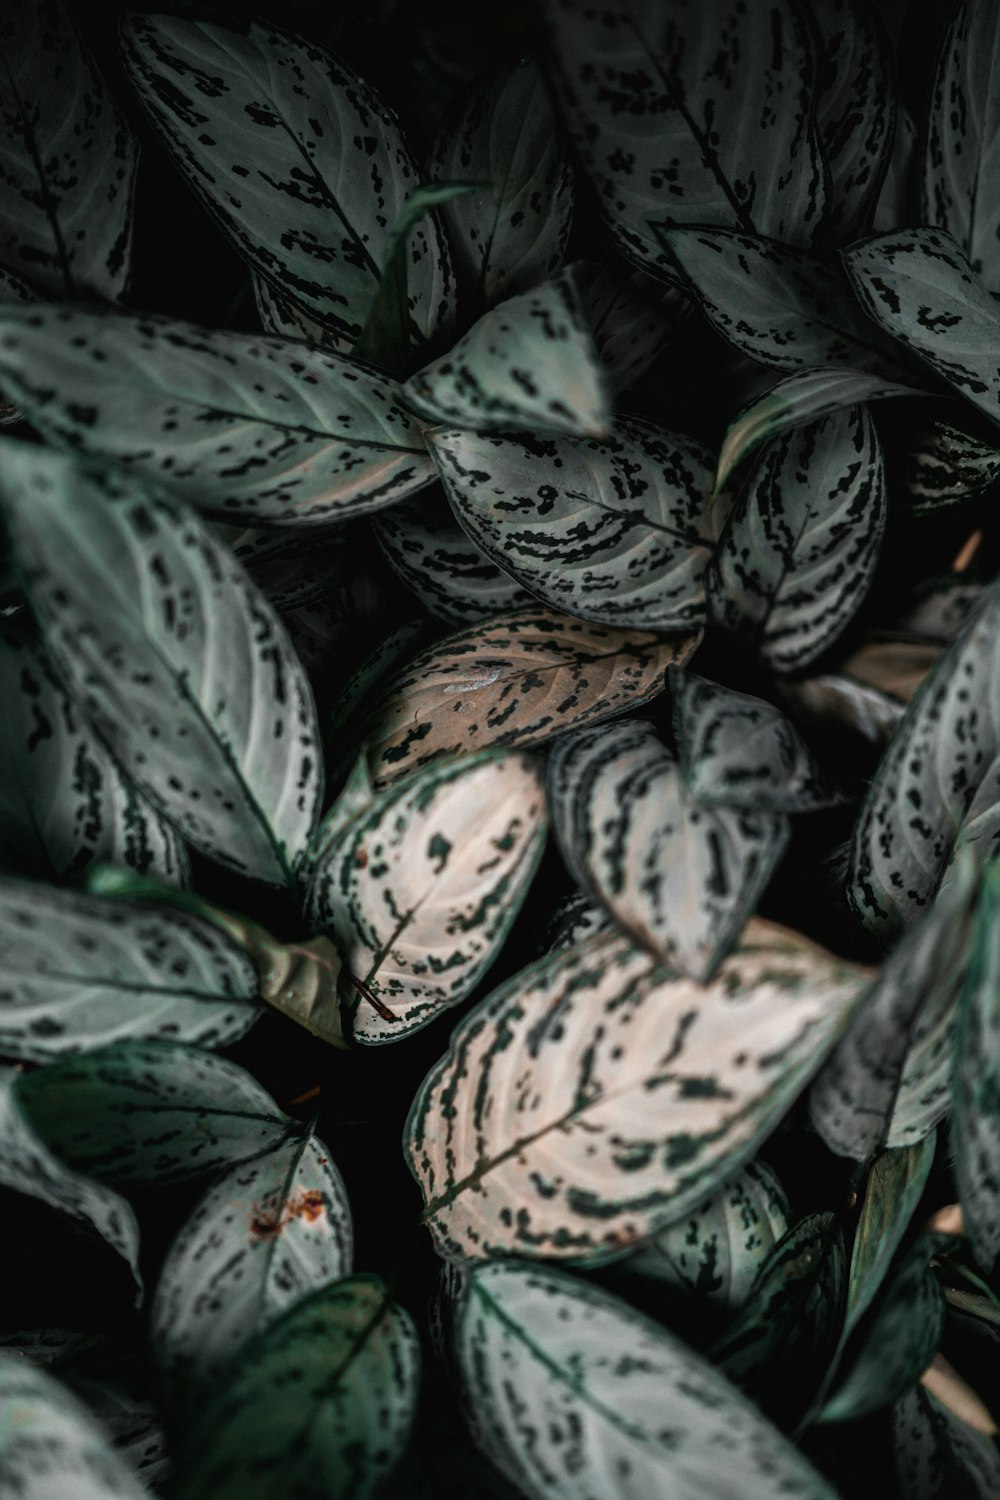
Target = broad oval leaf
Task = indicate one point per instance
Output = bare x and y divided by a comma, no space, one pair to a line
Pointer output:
321,1403
79,971
893,1188
596,1097
418,893
180,664
975,1130
67,161
266,1234
946,466
855,111
616,532
569,1386
517,679
799,548
680,877
247,428
296,158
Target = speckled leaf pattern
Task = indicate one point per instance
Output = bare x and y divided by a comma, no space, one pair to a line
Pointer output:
946,466
144,1114
938,1456
50,1444
895,1184
279,315
575,918
515,680
12,290
266,1234
938,783
28,1166
632,317
962,149
856,110
616,532
512,235
567,1384
322,1403
67,160
126,1410
680,877
180,664
296,158
247,428
799,548
680,114
596,1097
396,646
528,364
419,891
975,1125
79,971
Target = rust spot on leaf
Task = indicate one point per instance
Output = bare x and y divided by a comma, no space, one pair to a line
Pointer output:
308,1205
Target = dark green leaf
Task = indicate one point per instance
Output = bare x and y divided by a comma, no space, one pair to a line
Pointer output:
975,1130
856,110
940,1457
894,1186
632,317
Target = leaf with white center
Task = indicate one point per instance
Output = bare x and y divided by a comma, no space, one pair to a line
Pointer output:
632,317
940,1457
508,237
855,111
528,364
419,892
78,971
297,160
180,665
946,466
961,162
799,548
681,878
321,1403
938,784
51,1446
683,113
28,1166
975,1128
895,1185
573,1393
616,532
265,1235
67,160
147,1114
515,680
245,427
596,1097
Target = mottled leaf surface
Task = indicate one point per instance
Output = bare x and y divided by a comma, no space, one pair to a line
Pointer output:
632,317
946,466
855,111
938,1456
180,664
279,315
895,1184
975,1131
596,1097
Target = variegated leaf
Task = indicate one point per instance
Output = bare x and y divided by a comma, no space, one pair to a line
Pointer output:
13,290
896,668
895,1184
529,364
616,532
121,1401
279,315
799,549
568,1386
574,919
680,877
512,235
298,161
596,1097
265,1235
179,663
321,1403
77,971
632,317
975,1127
145,1114
517,679
247,428
940,1457
681,113
937,607
855,111
291,569
67,159
361,690
899,200
833,702
419,891
946,466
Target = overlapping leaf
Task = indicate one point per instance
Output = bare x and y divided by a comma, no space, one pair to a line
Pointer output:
894,1186
632,317
938,1456
976,1079
946,466
856,110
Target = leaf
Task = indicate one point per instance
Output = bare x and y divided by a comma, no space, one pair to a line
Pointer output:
680,878
297,160
122,1404
595,1097
894,1186
279,315
509,237
856,110
936,786
681,113
50,1445
322,1402
569,1386
898,202
940,1457
266,1234
146,1114
975,1081
946,466
528,364
79,972
896,667
180,664
799,548
574,919
960,162
632,317
832,702
615,532
395,647
66,151
419,891
515,680
12,289
247,428
294,570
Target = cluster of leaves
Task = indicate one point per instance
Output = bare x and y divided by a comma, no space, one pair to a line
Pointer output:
605,445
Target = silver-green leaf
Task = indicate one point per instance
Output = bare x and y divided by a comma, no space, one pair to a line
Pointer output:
855,111
947,466
975,1132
